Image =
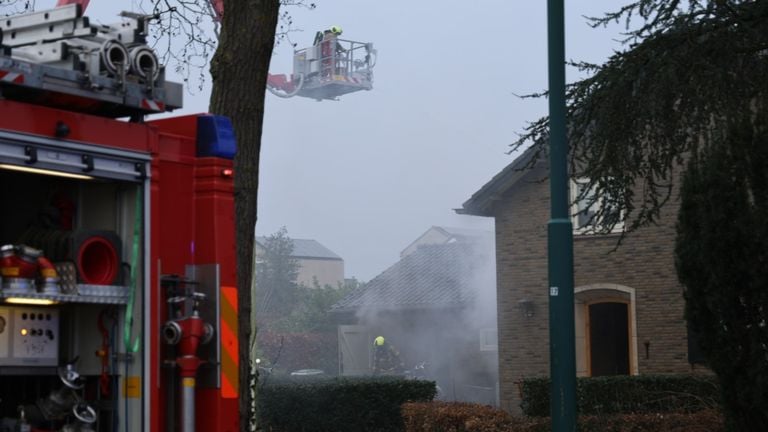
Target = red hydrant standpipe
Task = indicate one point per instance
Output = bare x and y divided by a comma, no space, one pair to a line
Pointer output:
188,334
191,333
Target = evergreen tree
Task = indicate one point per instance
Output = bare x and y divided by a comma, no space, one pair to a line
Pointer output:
688,72
721,252
689,85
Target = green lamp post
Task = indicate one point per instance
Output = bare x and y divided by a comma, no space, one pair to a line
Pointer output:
560,240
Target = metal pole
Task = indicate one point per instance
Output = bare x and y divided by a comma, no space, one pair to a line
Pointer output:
187,404
561,321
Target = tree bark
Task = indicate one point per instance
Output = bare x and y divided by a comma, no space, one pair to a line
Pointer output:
239,72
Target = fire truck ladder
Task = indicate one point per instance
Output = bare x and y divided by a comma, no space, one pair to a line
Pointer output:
56,57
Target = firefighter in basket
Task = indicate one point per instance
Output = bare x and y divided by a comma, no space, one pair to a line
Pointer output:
332,53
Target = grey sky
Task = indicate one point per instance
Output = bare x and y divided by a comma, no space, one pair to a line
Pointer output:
365,176
368,174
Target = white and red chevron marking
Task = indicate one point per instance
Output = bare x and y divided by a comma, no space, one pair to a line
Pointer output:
152,105
12,77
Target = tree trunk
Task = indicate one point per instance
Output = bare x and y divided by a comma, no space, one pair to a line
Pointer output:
239,74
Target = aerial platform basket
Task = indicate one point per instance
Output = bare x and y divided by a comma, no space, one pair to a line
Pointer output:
328,70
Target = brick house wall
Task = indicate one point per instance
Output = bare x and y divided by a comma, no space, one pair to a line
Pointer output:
640,272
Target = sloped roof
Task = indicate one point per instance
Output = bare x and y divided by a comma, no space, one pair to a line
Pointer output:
449,235
435,275
310,249
467,234
462,232
481,202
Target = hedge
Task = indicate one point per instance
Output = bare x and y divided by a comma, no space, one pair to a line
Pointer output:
464,417
455,416
291,351
338,405
627,394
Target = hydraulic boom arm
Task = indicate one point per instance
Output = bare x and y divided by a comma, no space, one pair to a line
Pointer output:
83,3
218,5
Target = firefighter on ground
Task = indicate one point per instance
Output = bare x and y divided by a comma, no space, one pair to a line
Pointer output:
386,358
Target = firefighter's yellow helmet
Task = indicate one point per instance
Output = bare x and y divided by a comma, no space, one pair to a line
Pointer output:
379,341
336,30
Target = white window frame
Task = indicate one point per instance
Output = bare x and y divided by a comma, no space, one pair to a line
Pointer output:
577,210
489,339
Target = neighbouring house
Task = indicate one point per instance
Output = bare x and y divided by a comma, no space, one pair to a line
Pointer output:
316,262
444,235
435,305
628,302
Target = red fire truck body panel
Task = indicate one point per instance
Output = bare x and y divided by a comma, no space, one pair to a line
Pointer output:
118,296
195,213
190,223
34,119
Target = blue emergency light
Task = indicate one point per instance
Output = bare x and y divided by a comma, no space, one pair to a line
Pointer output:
215,136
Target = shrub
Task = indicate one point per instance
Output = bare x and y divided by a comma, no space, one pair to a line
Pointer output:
463,417
338,405
456,416
627,394
701,421
292,351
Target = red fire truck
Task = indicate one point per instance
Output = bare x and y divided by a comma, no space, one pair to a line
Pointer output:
117,251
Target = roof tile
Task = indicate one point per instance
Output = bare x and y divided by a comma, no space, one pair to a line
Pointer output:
434,275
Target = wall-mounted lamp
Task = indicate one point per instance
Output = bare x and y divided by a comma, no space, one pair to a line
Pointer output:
527,307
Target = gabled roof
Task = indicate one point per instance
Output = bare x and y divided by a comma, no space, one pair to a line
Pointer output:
464,233
481,202
467,234
435,275
307,249
448,235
